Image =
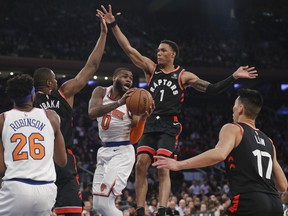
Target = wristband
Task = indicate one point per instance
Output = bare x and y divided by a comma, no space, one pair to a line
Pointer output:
113,24
119,103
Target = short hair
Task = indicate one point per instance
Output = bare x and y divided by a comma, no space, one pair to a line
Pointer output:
40,76
118,70
19,86
252,101
173,45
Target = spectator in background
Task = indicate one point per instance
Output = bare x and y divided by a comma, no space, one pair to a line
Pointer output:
181,207
171,210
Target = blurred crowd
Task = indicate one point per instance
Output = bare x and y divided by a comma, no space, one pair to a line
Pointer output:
68,30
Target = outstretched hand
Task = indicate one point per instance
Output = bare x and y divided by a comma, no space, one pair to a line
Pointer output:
164,162
107,15
103,24
245,72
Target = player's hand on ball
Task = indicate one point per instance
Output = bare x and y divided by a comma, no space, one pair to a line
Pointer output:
149,111
127,94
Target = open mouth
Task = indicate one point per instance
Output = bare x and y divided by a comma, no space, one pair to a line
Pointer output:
126,87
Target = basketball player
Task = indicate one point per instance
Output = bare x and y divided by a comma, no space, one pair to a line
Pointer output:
250,158
69,200
166,83
117,130
29,139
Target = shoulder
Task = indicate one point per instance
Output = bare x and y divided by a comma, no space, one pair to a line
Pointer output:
98,94
53,117
51,114
231,128
189,75
100,90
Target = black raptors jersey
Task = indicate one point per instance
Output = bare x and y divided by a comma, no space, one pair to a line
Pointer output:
167,91
55,101
250,165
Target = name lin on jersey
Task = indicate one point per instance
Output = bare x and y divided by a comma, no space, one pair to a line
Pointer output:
165,82
50,104
259,140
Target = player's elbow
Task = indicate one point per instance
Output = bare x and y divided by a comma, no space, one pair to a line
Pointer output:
92,114
282,187
61,161
220,155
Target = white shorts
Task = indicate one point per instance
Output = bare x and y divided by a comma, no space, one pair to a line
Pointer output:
21,199
114,166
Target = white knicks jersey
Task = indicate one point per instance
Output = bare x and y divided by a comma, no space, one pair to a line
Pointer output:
115,125
28,140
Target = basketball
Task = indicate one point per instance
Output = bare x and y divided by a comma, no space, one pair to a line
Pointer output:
139,102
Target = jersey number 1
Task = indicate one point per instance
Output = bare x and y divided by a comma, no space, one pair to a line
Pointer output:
36,150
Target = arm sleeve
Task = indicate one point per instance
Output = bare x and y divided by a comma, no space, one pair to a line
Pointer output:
213,89
136,132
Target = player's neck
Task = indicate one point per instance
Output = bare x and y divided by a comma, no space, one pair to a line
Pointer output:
167,68
44,89
24,106
248,121
114,94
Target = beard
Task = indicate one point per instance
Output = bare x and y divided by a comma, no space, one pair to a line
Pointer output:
119,87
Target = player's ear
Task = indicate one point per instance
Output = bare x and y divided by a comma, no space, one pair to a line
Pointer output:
241,109
173,54
49,83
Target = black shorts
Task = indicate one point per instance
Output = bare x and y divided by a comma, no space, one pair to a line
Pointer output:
164,124
157,144
69,199
255,204
160,136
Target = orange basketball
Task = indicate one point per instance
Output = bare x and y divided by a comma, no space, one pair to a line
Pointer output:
139,102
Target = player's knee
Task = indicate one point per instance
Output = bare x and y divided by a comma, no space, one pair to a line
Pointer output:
142,166
163,173
98,204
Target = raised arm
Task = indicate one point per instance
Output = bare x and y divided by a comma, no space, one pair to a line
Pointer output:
73,86
279,176
191,79
60,155
138,60
229,137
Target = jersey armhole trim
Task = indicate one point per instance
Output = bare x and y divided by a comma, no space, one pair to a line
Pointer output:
240,127
152,74
62,94
179,80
